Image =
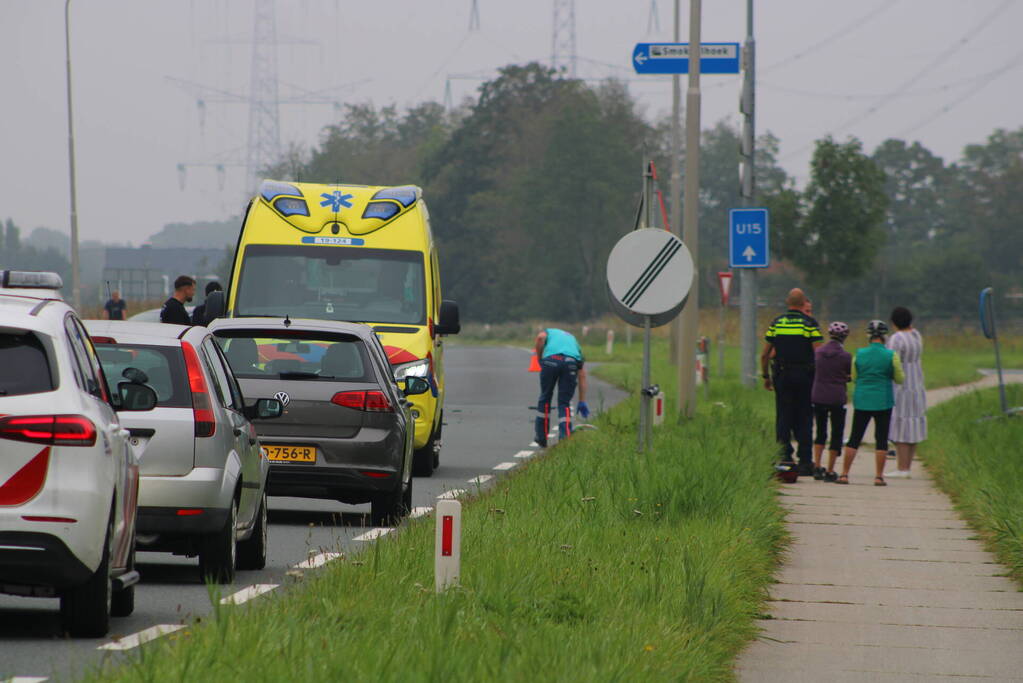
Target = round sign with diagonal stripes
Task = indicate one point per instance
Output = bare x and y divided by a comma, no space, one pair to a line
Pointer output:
649,274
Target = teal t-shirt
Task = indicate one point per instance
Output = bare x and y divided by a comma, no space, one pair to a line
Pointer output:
874,372
561,342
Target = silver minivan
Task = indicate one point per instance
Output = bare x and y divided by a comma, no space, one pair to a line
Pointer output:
202,488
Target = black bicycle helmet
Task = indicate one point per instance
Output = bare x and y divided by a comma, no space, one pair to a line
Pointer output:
877,328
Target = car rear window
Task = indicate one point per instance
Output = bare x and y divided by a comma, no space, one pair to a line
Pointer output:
24,365
298,355
163,365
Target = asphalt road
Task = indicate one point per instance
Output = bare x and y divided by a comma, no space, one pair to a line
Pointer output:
487,423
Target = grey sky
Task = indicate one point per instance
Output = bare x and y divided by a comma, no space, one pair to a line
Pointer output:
823,65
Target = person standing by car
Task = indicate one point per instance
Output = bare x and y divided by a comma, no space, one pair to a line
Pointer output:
173,310
115,306
561,365
789,356
909,417
199,312
833,368
874,369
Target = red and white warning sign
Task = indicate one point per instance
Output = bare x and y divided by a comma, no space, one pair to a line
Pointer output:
725,283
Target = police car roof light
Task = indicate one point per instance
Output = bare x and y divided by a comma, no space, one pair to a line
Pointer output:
26,279
406,194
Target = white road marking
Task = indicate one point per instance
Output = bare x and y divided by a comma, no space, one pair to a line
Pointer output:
144,636
525,454
451,495
419,512
247,593
373,534
317,561
506,465
25,679
481,480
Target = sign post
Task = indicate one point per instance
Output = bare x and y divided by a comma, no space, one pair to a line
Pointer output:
725,284
649,274
990,329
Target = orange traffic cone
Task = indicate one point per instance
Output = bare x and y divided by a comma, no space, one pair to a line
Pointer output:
534,364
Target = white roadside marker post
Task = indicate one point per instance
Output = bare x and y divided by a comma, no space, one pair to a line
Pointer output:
448,546
659,409
610,346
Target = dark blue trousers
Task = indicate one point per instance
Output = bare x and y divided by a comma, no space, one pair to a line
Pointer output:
794,412
561,372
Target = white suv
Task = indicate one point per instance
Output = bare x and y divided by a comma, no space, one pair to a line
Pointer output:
203,472
68,477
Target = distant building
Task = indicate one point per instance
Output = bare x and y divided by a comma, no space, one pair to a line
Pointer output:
147,273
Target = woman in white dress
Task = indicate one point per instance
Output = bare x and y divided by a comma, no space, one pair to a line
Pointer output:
909,418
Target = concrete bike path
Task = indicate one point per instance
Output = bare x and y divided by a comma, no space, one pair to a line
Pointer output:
886,584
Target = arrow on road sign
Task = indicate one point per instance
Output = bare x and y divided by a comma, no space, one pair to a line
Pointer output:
749,253
640,58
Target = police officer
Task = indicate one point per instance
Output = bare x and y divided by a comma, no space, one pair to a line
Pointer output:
561,365
787,364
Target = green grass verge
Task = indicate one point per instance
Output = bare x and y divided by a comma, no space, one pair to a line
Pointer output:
976,461
591,563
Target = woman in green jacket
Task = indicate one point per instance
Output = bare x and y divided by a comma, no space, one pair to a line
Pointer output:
874,369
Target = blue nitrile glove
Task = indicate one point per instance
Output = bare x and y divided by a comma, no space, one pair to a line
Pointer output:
583,409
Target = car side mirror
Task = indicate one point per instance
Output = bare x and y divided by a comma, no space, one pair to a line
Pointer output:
135,397
265,409
216,305
449,322
416,385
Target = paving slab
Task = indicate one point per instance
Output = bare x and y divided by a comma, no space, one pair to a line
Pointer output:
886,584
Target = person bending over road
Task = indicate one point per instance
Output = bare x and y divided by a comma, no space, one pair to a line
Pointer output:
874,369
561,364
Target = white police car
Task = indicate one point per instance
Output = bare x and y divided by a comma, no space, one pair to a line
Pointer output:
68,478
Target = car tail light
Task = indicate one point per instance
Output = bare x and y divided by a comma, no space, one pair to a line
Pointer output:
51,430
369,401
202,407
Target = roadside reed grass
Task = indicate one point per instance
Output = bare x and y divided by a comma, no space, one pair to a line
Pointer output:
589,563
978,461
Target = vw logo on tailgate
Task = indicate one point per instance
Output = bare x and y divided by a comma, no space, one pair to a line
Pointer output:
283,397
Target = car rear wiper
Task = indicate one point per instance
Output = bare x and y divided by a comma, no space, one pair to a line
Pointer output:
298,374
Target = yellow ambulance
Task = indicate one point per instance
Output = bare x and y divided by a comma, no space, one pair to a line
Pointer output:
357,254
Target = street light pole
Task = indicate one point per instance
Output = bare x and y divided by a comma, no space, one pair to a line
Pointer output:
76,290
748,276
676,178
686,360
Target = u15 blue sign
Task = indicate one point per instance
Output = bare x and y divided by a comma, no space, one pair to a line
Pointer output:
747,238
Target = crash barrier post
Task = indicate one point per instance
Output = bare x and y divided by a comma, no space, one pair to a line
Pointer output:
448,544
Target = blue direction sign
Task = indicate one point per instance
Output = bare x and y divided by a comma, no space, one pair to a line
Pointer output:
747,238
673,58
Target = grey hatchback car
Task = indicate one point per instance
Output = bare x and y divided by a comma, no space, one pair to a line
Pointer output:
347,429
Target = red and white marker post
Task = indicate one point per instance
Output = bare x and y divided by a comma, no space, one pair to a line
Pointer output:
725,283
448,546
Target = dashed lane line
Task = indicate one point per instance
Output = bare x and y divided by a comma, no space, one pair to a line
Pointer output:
374,534
525,454
247,593
143,636
451,495
317,561
481,479
505,465
420,511
25,679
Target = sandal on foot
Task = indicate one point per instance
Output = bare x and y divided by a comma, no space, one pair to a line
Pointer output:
879,481
842,479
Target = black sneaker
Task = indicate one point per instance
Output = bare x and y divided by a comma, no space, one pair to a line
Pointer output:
831,476
818,473
806,469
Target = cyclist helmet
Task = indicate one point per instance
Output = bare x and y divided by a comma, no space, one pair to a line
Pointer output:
877,328
838,331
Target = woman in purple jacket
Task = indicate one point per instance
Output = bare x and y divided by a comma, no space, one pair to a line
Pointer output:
833,369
